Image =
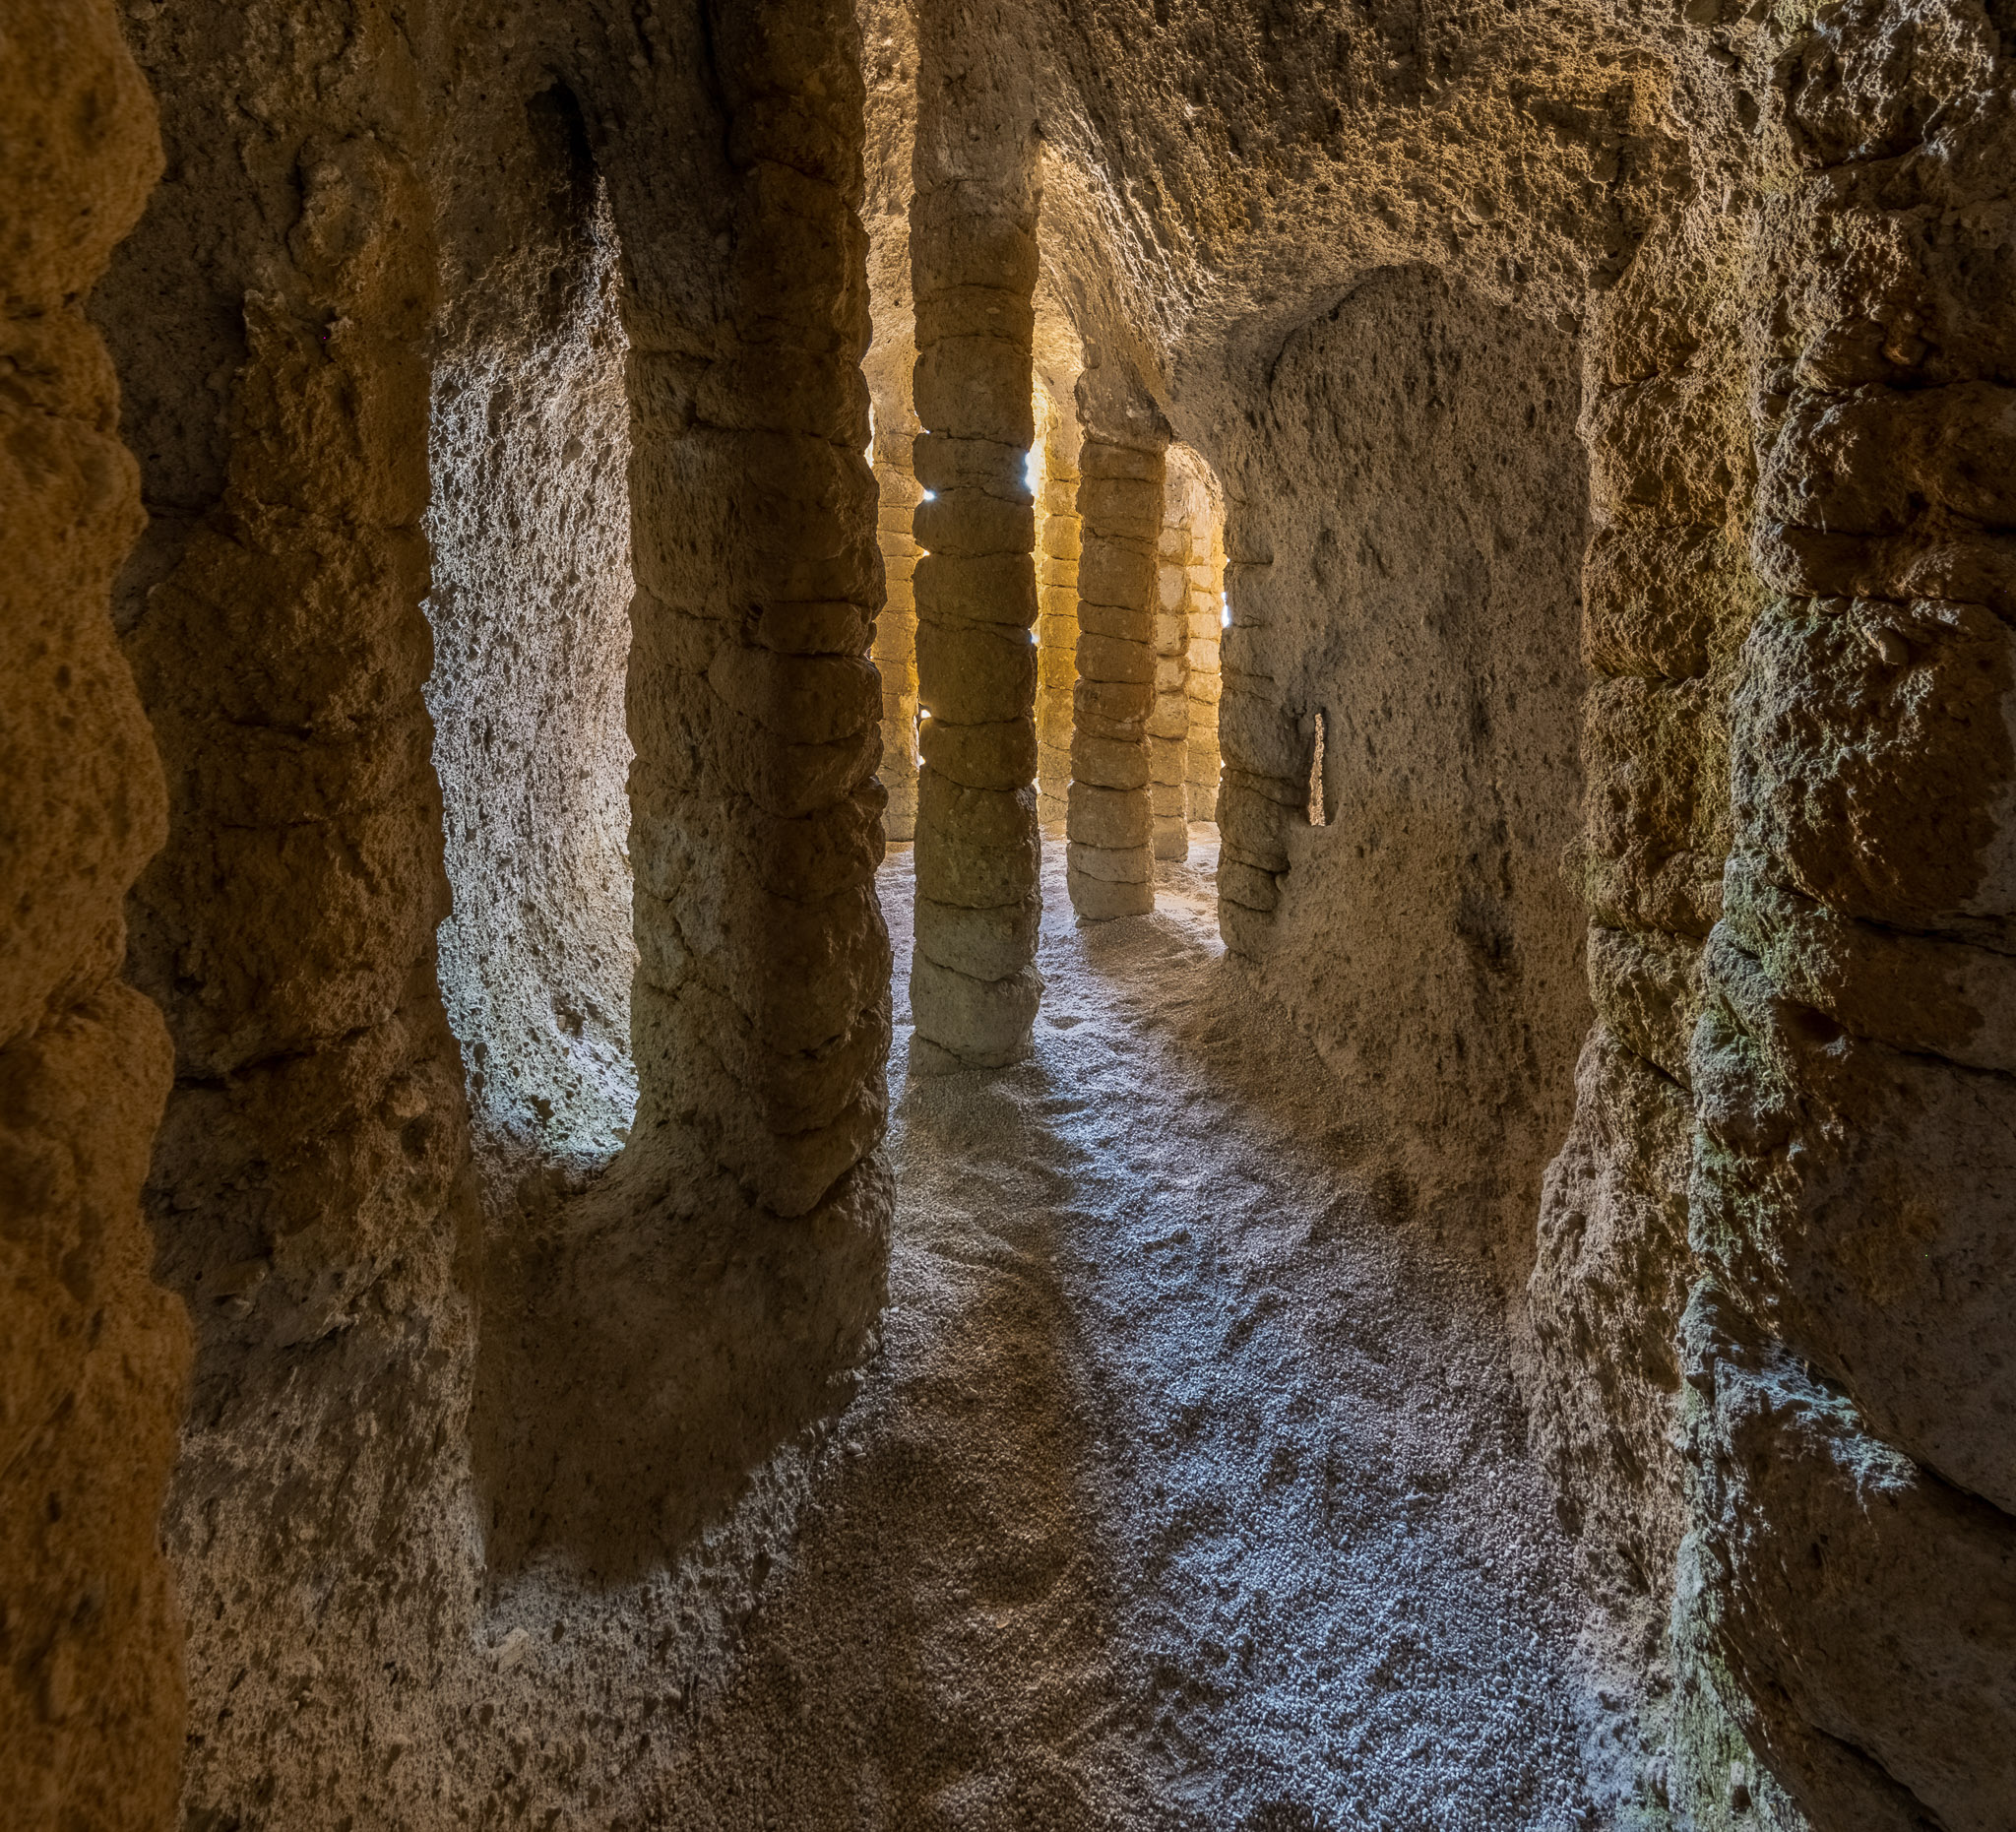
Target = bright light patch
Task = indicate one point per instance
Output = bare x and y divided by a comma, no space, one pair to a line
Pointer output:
1032,470
1225,610
930,495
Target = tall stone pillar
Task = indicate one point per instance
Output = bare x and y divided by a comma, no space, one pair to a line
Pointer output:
1057,547
896,628
1202,681
1110,859
1169,725
974,983
1264,788
761,1015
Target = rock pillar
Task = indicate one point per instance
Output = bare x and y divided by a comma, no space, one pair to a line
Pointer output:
1111,823
1057,547
896,628
974,983
302,1184
1264,787
1169,725
761,1015
1185,638
93,1354
1667,597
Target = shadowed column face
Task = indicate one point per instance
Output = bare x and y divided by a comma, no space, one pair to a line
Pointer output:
1111,820
974,985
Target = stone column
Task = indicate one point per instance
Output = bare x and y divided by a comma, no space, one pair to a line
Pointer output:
1110,861
761,1013
1057,550
93,1357
1667,597
974,983
1202,683
1185,547
1265,785
303,1185
896,627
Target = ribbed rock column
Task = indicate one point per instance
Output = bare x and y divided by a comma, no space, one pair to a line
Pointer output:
1202,683
1110,861
1667,597
1169,725
974,984
1264,787
761,1012
896,628
1057,547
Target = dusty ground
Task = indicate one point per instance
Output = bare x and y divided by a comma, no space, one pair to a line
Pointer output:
1190,1488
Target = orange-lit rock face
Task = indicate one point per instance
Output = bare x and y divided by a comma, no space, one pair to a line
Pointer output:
1520,499
93,1357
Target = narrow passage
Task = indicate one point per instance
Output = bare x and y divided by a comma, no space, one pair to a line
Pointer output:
1189,1487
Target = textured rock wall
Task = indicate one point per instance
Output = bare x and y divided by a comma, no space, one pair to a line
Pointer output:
1420,493
1059,538
1850,1343
93,1354
528,533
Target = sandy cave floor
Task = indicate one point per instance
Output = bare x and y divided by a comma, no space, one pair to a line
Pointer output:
1185,1492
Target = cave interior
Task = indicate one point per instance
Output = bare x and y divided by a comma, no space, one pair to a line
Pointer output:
1008,914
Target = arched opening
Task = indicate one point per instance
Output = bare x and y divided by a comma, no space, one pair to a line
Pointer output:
530,529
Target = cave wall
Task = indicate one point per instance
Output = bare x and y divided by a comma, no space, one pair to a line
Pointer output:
1421,490
528,528
93,1357
363,218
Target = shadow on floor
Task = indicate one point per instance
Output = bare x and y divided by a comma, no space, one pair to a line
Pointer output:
637,1363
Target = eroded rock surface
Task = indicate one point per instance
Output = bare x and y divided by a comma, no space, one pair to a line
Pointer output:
1538,481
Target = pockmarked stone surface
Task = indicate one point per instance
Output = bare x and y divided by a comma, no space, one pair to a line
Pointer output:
1428,586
